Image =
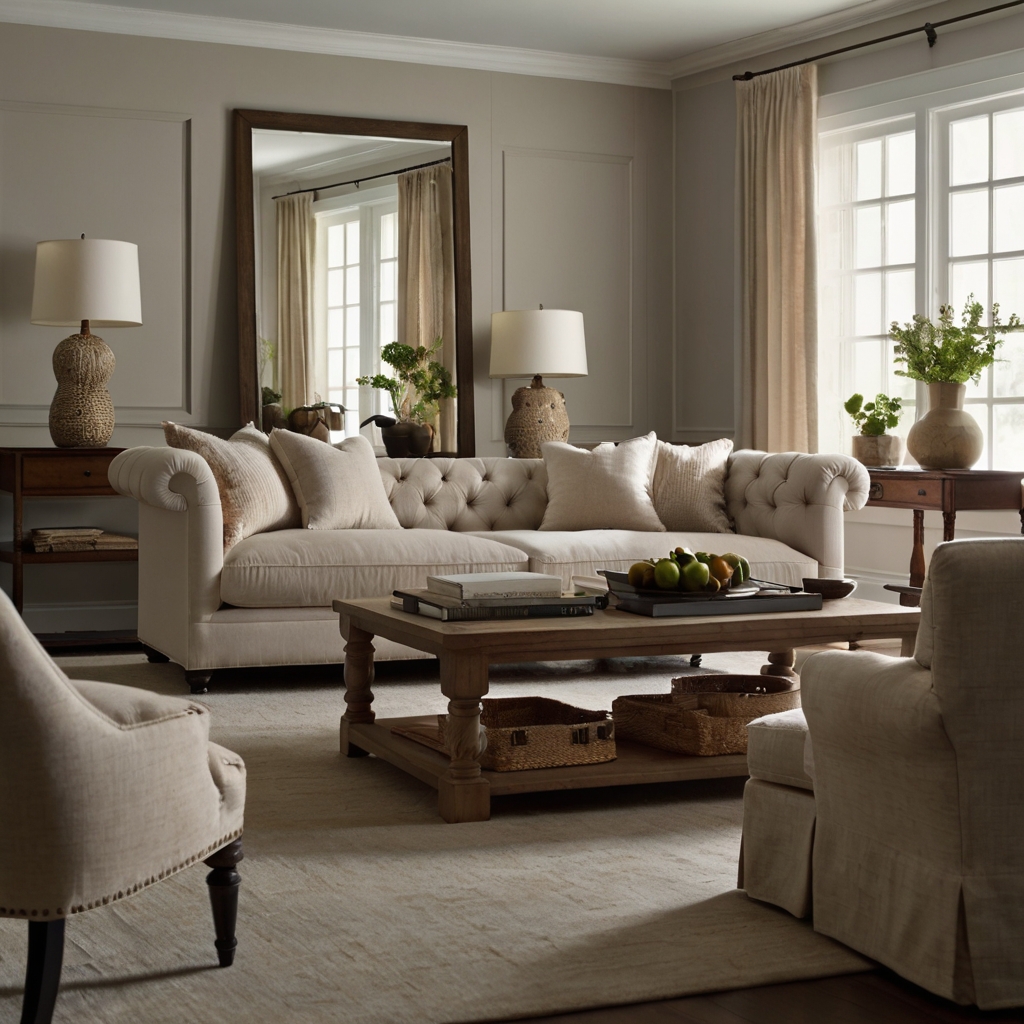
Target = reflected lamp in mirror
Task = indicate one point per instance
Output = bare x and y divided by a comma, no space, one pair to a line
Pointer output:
85,282
537,343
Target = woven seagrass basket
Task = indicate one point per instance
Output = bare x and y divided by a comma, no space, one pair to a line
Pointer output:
538,732
704,715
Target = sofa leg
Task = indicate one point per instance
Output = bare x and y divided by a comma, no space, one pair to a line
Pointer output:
42,975
223,881
153,656
198,682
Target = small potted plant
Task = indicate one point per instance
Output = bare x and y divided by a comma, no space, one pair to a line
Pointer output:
945,356
416,390
873,446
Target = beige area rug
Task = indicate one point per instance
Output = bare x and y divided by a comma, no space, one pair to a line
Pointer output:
359,905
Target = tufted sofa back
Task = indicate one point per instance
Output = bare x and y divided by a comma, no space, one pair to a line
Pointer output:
466,494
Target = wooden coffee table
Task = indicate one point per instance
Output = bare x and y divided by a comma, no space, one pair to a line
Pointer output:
467,649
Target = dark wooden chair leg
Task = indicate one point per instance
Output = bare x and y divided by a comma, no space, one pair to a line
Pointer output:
223,881
198,682
42,975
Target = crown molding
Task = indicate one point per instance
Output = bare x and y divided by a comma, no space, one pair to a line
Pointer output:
93,17
791,35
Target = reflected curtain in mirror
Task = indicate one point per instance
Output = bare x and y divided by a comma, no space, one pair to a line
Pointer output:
296,257
426,276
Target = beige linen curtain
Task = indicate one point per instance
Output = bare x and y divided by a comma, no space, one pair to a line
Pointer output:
775,175
296,251
426,275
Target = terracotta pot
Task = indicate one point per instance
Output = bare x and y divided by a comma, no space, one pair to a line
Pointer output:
946,437
881,450
406,439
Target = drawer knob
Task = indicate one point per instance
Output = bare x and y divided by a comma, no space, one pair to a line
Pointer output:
875,492
922,491
88,472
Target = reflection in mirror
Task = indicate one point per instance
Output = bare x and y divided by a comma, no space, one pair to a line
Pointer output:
356,243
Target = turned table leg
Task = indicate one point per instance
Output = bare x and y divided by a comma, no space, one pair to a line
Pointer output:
917,563
358,683
780,663
462,795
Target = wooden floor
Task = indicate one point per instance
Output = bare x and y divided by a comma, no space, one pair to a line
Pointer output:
878,997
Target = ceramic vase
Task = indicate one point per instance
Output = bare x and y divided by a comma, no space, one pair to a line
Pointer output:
406,439
880,450
946,437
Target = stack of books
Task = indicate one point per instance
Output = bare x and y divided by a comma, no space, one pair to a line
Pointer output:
494,595
80,538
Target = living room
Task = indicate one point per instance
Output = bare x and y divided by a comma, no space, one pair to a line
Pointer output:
595,163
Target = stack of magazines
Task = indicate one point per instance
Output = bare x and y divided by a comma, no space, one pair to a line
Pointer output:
80,538
495,595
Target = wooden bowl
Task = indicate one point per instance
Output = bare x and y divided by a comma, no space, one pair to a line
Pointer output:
829,589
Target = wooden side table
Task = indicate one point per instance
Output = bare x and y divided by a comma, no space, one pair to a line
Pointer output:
942,490
54,473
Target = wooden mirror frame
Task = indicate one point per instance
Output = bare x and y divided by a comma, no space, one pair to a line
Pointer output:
249,388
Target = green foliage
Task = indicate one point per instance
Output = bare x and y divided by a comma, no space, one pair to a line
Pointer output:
943,352
419,384
874,418
270,396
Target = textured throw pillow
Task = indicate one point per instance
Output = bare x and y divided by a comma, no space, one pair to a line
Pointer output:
689,486
604,489
338,487
254,492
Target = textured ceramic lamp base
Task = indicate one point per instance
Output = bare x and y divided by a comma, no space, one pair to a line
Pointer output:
538,415
82,414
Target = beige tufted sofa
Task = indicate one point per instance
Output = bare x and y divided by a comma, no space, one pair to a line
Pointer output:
267,600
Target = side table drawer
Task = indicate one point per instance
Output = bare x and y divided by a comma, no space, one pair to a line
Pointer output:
70,475
925,494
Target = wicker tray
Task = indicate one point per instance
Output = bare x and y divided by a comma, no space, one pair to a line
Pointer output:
704,715
534,732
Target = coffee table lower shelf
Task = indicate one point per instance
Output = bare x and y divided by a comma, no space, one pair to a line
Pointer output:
634,765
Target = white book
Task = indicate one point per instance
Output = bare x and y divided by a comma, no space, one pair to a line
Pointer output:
495,584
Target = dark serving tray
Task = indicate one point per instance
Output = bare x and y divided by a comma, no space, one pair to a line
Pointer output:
618,584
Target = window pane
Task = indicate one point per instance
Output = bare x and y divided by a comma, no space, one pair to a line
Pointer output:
867,368
351,366
966,279
387,282
336,245
867,317
900,300
869,169
1008,372
335,367
352,325
1007,436
389,236
1008,287
968,151
352,285
899,170
899,232
1008,218
980,414
335,328
352,241
968,223
869,237
387,323
1008,143
335,287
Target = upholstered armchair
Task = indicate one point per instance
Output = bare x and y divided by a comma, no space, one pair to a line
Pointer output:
917,811
104,790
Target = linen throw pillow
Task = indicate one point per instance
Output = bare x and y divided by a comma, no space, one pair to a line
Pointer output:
255,495
608,488
338,487
689,486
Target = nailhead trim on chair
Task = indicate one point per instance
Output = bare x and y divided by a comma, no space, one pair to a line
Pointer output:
104,900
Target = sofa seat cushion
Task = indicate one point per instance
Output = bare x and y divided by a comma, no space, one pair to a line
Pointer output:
583,552
311,568
775,749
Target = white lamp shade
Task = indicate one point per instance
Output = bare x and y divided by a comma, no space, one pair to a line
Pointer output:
94,279
525,342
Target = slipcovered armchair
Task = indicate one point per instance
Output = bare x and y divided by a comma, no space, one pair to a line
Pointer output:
104,790
918,809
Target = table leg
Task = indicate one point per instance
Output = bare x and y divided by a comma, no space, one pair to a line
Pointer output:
948,525
917,563
780,663
358,683
907,645
462,795
1022,520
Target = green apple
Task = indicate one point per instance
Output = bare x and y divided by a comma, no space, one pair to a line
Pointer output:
666,574
695,576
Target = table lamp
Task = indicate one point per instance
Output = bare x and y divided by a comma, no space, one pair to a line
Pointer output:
83,282
537,343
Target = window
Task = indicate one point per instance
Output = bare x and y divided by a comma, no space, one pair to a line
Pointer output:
356,298
916,211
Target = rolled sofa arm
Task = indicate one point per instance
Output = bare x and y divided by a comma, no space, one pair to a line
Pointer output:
170,478
797,499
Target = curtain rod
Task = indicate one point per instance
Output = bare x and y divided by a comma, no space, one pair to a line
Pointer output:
928,28
383,174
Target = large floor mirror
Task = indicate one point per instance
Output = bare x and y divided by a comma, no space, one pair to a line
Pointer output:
351,233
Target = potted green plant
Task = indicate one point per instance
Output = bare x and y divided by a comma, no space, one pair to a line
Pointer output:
873,446
945,356
417,388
